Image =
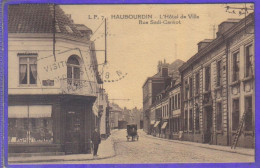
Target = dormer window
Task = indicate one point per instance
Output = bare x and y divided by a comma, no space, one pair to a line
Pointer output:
68,29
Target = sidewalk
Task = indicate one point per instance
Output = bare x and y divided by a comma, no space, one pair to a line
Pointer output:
239,150
106,150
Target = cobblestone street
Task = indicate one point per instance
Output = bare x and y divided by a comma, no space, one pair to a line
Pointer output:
153,150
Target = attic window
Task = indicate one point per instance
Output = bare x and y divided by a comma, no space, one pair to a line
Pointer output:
68,29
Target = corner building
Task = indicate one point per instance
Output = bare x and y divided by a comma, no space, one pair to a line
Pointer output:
53,81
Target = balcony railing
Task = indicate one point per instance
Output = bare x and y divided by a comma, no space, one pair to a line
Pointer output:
77,87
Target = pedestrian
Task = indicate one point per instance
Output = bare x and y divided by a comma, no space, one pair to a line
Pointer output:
96,139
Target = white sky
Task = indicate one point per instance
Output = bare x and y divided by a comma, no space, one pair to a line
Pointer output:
136,49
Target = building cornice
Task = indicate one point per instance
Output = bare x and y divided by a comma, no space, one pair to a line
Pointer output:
219,40
49,36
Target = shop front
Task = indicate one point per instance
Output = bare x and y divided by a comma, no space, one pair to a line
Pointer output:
49,123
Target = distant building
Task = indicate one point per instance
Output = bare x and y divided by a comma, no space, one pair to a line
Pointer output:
154,85
115,115
175,118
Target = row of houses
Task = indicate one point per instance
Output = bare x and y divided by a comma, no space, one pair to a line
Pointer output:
213,94
55,93
120,117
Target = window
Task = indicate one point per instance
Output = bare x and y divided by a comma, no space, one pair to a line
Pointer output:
207,78
73,71
30,124
176,103
167,110
170,104
179,100
186,120
219,116
197,80
28,70
219,73
249,61
235,114
197,124
235,67
186,89
173,106
248,115
191,88
191,120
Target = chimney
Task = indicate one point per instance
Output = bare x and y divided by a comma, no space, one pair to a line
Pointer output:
204,43
163,68
224,26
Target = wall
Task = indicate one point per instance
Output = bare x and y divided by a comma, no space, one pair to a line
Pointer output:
47,68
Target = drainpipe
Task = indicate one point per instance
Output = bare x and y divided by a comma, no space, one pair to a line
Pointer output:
54,31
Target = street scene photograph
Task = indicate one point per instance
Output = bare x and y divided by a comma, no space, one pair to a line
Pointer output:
130,83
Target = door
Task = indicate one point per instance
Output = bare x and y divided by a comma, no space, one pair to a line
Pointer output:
72,131
208,124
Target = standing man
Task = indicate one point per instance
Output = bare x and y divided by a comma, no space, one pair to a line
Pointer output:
96,139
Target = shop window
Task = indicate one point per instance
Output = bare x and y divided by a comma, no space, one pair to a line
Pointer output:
249,61
219,116
179,100
28,70
235,114
30,124
197,124
235,67
191,120
207,78
219,73
191,87
197,83
186,120
249,114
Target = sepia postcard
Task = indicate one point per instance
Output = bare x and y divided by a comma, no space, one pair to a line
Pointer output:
130,83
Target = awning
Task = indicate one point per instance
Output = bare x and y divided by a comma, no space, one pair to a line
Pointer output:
164,125
17,111
35,111
156,124
152,122
40,111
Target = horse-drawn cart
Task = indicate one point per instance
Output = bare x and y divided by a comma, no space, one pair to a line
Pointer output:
132,132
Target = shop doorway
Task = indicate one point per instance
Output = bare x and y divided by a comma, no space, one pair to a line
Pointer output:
74,130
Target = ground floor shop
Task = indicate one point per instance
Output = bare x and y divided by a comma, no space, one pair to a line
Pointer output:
50,123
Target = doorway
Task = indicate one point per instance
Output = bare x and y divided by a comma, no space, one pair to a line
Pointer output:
208,118
73,130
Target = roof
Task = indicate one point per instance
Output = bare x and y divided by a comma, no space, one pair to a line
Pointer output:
39,18
219,40
206,41
83,27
